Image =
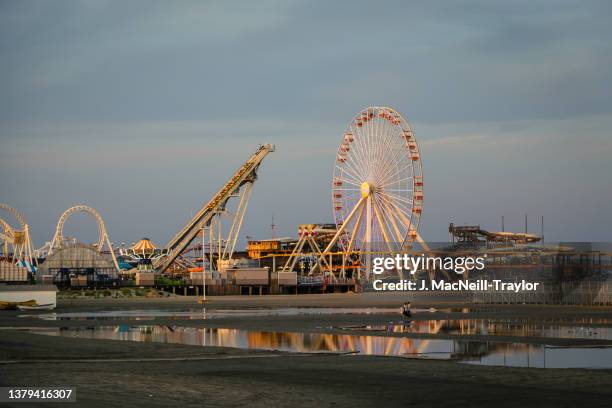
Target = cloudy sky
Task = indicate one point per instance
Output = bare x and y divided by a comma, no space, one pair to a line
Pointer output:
143,109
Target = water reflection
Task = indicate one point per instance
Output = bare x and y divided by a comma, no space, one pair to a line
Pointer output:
576,328
472,352
486,327
197,314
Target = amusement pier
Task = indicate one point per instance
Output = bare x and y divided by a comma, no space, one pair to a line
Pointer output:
377,199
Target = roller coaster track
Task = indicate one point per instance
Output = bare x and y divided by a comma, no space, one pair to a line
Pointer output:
19,238
58,237
245,174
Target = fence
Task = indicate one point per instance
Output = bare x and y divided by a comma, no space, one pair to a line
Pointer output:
587,292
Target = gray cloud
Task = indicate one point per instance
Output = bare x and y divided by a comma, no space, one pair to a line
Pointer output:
143,109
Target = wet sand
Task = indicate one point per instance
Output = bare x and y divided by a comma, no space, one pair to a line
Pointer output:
108,372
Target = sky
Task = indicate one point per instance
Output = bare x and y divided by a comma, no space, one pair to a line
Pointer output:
143,109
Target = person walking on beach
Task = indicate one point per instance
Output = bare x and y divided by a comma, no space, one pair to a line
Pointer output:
406,310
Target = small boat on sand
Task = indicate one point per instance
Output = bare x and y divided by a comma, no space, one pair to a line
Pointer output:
48,306
13,305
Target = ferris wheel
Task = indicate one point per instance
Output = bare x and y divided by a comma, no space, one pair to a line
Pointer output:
377,187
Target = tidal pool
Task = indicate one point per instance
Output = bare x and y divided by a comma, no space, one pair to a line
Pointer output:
471,352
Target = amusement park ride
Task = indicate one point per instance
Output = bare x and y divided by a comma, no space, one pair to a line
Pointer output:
18,238
209,218
377,194
145,252
59,239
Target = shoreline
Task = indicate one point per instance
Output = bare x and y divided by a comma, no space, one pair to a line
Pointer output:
356,300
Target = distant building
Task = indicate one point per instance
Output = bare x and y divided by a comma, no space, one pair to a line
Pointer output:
263,247
79,265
